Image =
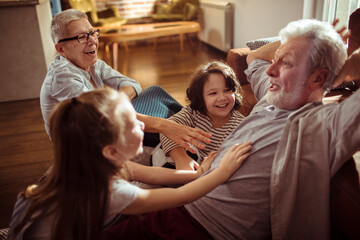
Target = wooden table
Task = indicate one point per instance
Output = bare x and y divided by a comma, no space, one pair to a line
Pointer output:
145,31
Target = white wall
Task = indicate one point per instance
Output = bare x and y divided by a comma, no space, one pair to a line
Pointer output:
26,49
263,18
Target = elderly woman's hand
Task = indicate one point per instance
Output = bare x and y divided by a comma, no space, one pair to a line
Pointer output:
182,135
177,133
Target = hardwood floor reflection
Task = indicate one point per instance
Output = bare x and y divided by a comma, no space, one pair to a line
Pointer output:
25,149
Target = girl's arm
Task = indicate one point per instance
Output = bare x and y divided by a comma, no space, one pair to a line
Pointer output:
157,199
182,159
166,176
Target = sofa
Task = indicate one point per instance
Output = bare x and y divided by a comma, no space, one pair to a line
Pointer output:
345,185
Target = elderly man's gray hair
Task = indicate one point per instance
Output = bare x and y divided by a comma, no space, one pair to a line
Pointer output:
328,50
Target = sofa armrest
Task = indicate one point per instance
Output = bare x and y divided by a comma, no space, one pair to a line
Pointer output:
345,203
236,59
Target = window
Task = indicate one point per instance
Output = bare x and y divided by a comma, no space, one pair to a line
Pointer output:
340,9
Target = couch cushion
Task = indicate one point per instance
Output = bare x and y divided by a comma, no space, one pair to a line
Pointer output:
236,58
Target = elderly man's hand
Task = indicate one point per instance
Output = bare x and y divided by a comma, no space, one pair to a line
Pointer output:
182,135
351,69
342,32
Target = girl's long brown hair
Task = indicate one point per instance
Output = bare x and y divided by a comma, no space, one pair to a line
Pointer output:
77,188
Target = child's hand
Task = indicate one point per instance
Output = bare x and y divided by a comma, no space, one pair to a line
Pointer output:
192,165
206,163
233,159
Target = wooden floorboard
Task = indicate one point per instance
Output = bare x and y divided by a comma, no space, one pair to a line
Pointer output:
25,149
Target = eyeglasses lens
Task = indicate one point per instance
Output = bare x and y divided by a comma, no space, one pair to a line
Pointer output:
84,38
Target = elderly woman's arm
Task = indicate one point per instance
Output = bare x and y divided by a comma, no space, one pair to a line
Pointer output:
178,133
118,81
129,91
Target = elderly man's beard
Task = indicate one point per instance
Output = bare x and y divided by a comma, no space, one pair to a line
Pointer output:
285,100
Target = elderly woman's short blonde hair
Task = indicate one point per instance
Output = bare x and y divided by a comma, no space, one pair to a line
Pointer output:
60,22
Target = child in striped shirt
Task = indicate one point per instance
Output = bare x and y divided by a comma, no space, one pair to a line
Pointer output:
214,98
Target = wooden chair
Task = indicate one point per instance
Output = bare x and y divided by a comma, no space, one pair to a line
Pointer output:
107,18
178,10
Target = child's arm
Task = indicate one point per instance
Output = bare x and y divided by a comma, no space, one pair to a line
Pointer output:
157,199
182,159
166,176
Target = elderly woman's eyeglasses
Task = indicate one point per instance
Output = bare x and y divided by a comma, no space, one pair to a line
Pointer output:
83,38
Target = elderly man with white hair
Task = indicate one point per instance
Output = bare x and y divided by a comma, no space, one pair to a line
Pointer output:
282,191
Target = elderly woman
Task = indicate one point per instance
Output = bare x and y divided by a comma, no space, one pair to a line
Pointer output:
76,69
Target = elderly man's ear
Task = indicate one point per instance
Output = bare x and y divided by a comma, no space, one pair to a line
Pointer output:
60,49
318,78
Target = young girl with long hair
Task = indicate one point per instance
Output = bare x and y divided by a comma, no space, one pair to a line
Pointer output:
94,136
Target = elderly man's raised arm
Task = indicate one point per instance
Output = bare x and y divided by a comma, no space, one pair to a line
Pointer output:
350,71
266,52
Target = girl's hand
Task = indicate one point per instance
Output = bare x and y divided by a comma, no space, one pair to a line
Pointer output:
206,163
192,165
233,159
149,200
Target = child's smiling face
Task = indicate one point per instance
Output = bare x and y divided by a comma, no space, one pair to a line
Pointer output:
219,99
130,135
134,134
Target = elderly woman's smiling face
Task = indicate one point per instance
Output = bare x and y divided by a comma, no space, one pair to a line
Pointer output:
82,55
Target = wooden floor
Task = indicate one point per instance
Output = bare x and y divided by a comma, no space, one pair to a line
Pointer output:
25,150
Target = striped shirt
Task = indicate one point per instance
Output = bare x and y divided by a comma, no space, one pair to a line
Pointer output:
195,119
